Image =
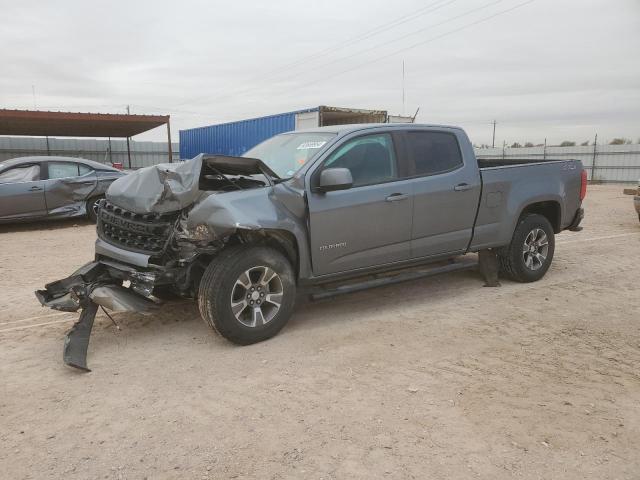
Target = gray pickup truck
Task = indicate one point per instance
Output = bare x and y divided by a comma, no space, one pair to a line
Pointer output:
327,211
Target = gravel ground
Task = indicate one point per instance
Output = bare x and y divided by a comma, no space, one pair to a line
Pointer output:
440,378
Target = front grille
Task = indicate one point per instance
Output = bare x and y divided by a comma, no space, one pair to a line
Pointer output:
143,233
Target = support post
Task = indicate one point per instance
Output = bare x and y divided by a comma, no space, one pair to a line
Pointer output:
110,153
544,150
595,154
493,141
129,153
48,149
169,140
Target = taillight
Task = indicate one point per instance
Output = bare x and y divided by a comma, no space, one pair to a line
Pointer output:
583,185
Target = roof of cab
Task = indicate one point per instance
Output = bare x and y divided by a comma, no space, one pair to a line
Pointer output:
355,127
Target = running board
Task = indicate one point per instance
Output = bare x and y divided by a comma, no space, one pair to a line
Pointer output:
391,278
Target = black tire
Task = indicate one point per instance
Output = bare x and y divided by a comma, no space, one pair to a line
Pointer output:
223,275
518,265
92,215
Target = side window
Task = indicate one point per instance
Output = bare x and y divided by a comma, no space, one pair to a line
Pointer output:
27,173
371,159
62,170
83,169
433,152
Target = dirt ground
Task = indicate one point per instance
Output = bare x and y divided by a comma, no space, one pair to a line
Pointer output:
440,378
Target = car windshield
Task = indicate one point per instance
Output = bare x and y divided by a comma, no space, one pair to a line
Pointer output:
286,153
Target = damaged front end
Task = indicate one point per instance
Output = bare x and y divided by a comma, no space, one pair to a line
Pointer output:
92,285
158,230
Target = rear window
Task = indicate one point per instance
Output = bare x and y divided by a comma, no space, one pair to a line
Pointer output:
433,152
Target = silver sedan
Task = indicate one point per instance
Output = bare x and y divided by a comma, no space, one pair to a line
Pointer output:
52,187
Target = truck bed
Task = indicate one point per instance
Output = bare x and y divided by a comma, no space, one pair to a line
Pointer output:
510,185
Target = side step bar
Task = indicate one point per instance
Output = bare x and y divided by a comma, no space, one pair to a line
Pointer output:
321,292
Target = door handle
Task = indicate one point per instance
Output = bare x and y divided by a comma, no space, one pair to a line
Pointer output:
35,188
461,187
396,197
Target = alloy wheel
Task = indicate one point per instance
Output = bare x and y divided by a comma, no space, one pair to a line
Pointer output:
256,296
535,249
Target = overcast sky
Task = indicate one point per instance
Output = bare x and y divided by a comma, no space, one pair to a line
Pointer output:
563,69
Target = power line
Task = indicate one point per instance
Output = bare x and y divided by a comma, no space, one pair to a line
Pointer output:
402,37
395,40
395,52
369,33
423,42
363,36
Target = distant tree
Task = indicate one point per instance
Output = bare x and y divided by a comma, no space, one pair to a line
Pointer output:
620,141
567,143
585,144
528,144
516,145
540,145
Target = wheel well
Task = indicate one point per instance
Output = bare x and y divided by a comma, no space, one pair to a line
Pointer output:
281,240
549,209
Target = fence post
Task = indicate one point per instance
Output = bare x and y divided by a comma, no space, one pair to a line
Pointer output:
595,154
504,144
544,150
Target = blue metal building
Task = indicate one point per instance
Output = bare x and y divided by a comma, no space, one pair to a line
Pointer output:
235,138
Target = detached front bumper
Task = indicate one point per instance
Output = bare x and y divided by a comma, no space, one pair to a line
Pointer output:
96,284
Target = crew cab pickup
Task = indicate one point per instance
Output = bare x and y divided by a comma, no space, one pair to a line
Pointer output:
308,209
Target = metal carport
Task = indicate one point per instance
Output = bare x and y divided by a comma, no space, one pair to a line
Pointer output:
72,124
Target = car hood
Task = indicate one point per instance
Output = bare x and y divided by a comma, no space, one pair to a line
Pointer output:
169,187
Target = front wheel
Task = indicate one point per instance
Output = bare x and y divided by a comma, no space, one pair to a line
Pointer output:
530,253
247,293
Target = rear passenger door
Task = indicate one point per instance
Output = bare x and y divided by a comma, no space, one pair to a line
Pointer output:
68,186
446,193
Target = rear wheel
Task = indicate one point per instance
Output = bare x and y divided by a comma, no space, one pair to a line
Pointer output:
92,208
247,294
530,253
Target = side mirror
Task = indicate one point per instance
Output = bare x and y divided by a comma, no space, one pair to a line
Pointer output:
335,179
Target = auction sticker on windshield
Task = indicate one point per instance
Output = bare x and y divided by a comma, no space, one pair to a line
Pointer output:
310,145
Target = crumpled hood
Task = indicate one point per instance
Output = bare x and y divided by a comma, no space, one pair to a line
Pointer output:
169,187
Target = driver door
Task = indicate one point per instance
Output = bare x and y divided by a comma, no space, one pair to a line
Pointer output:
368,224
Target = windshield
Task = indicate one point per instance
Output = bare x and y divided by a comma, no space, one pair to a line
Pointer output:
286,153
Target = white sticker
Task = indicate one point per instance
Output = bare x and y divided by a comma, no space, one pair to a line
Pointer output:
310,145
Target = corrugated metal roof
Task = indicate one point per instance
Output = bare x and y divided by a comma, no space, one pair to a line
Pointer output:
72,124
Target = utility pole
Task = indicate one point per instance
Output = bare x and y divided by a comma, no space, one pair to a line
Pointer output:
493,141
128,146
403,96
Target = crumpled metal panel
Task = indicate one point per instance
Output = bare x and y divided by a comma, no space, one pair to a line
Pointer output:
68,195
162,188
119,299
170,187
